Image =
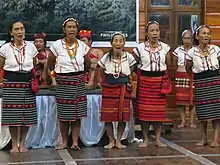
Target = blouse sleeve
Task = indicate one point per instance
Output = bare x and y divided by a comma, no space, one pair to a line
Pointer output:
34,50
189,55
85,49
218,51
131,60
3,51
175,52
167,48
137,51
53,49
103,61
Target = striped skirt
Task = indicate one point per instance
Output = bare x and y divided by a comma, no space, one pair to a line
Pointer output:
115,103
19,104
184,89
207,98
71,97
150,105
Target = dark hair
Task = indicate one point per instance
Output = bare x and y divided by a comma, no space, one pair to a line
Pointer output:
10,27
147,26
70,19
196,33
116,34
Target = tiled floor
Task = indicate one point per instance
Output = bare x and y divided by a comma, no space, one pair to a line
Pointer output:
183,139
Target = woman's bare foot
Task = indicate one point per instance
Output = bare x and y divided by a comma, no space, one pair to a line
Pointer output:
61,146
75,147
110,145
160,144
119,145
23,149
14,149
202,142
214,144
193,125
182,125
143,144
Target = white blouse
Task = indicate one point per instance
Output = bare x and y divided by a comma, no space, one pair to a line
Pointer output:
66,64
113,66
152,60
180,53
18,59
202,63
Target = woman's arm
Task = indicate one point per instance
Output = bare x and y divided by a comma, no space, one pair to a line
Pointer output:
188,67
135,67
49,66
87,63
2,63
171,63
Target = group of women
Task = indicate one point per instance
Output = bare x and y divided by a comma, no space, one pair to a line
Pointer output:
68,61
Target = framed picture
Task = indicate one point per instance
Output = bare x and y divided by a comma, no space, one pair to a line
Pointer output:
103,17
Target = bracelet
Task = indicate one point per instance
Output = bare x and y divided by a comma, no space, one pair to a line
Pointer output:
53,73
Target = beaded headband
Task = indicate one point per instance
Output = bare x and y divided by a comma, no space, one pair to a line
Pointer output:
70,19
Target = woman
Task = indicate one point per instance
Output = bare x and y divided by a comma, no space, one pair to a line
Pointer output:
93,78
184,85
19,103
116,90
150,103
203,61
40,43
68,60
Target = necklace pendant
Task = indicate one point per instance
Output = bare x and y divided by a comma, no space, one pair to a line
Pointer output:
116,75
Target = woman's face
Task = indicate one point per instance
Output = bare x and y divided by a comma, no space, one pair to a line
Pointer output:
18,31
71,29
153,32
86,41
204,35
187,39
39,43
118,43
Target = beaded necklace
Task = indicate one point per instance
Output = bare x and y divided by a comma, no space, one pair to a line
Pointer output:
19,55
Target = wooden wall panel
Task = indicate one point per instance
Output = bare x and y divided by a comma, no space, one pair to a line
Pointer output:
212,15
215,32
212,6
212,19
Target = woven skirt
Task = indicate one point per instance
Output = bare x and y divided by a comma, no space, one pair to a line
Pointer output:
184,89
150,105
207,98
115,103
71,97
19,104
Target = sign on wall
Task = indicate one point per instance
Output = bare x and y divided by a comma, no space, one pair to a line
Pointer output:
104,17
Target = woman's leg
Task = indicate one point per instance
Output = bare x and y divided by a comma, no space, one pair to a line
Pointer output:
182,116
75,134
14,137
145,129
110,134
121,129
192,116
215,124
23,133
158,130
203,128
64,133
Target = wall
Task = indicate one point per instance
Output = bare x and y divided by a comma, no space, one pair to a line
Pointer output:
212,18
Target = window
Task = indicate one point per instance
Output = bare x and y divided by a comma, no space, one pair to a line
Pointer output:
188,3
174,16
160,3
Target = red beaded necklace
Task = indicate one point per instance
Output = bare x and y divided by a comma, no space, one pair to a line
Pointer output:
19,54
